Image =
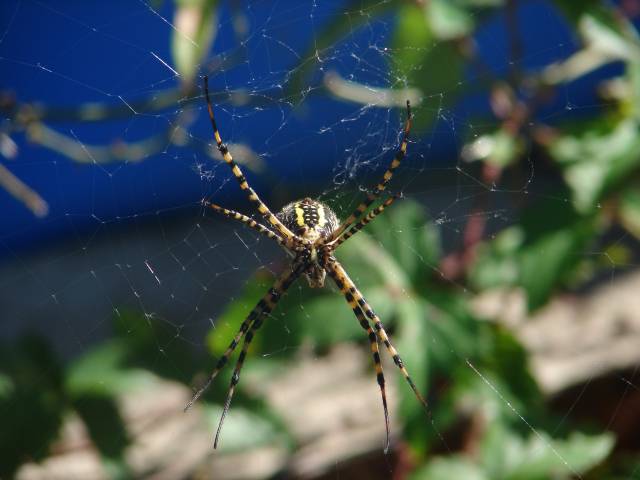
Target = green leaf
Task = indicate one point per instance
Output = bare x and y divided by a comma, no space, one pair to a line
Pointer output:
243,429
499,148
452,467
630,209
542,457
601,31
356,13
107,430
370,264
507,455
497,263
508,359
148,342
575,10
228,322
594,162
450,324
411,340
411,239
32,404
537,255
448,20
549,259
101,373
329,319
192,38
434,67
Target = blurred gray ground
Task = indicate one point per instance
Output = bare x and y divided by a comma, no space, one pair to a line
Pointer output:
182,270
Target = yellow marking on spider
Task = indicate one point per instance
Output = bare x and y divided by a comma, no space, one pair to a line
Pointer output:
236,171
395,163
321,217
218,138
299,215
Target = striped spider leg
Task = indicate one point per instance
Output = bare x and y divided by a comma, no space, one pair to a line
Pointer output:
364,221
248,221
386,178
286,234
363,311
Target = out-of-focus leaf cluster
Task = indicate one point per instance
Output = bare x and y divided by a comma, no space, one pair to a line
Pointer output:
471,369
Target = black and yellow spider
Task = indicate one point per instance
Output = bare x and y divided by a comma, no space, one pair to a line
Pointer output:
309,231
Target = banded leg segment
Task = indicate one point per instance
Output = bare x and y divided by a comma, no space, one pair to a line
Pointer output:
287,235
364,221
270,300
386,178
373,343
345,284
235,377
250,222
264,307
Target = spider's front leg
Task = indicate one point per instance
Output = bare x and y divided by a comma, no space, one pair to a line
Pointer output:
287,236
382,185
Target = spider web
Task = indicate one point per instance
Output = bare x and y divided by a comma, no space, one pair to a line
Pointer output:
122,180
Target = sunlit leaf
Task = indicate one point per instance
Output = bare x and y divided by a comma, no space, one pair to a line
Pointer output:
447,19
497,264
243,429
191,39
435,67
500,148
548,258
412,340
226,325
411,238
594,162
356,13
455,466
630,209
539,254
101,372
542,457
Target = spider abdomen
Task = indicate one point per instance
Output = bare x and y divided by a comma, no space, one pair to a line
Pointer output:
309,219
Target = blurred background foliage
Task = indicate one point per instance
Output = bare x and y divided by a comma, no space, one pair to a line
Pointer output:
473,370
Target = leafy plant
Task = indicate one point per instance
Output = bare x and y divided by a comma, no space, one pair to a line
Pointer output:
472,370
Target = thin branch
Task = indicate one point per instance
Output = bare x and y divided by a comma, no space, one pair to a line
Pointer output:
22,192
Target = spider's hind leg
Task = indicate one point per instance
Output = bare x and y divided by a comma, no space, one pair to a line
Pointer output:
354,297
266,304
347,291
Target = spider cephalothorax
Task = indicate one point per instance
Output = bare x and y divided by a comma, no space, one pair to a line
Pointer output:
309,231
314,222
309,219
